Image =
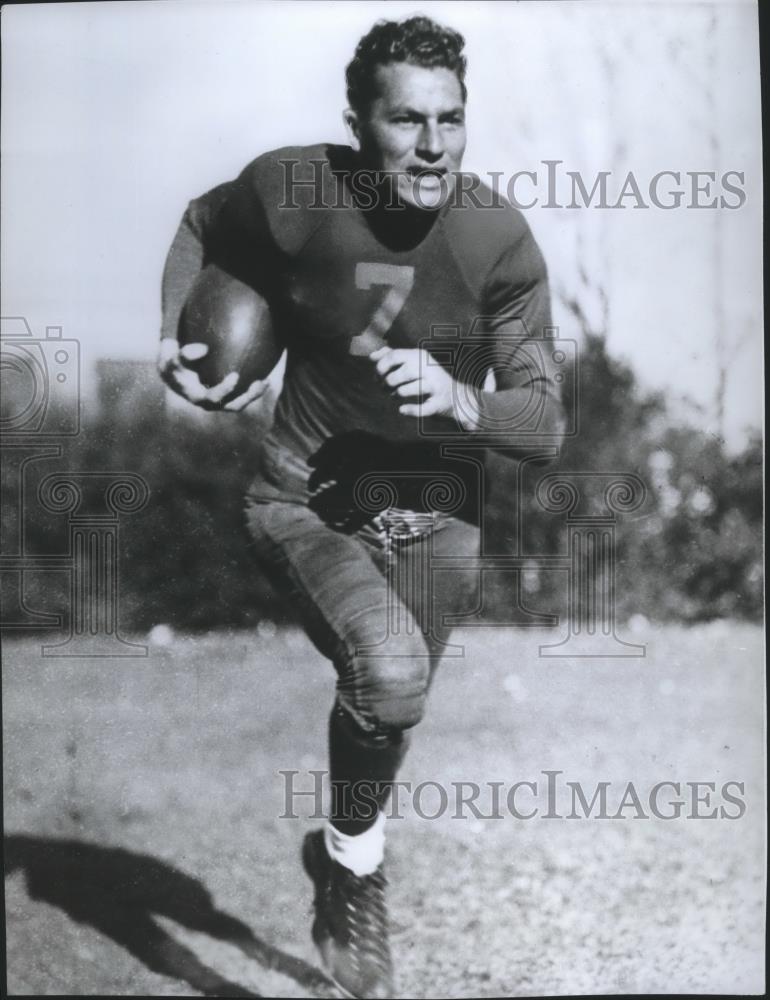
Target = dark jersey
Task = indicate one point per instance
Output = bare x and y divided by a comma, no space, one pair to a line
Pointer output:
467,283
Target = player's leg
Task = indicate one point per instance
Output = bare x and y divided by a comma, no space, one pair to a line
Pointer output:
383,676
347,610
432,593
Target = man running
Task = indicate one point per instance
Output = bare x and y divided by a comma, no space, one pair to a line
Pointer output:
381,264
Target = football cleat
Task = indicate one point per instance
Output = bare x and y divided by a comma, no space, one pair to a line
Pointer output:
350,928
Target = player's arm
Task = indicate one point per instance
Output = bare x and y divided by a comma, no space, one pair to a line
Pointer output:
516,305
525,407
184,262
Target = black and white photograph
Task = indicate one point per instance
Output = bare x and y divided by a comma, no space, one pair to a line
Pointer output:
382,451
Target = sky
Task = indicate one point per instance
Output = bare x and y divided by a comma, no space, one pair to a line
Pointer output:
115,115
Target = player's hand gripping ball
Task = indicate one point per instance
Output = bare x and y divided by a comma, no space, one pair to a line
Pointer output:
226,347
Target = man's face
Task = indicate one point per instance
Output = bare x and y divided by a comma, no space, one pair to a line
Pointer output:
415,129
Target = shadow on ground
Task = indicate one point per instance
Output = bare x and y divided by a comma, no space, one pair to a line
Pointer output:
118,893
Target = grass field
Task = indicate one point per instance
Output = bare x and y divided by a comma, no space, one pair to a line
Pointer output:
145,853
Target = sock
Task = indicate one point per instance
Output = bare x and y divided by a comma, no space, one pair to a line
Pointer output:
362,768
362,853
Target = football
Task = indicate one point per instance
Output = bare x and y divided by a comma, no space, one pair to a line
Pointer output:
234,322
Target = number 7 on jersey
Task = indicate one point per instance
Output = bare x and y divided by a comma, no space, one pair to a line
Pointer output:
399,280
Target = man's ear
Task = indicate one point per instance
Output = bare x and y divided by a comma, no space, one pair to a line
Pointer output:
353,128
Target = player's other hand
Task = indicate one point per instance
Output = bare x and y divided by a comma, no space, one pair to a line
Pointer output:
173,366
412,374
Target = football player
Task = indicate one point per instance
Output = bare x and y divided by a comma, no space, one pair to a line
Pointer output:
362,252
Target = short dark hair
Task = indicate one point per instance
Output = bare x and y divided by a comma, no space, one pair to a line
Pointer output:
416,40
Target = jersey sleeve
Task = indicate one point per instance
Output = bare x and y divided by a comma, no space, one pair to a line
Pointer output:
239,238
233,226
526,405
187,256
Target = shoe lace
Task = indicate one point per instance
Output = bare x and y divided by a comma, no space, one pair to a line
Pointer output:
365,916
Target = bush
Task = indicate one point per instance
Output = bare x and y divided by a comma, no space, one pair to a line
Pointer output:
691,553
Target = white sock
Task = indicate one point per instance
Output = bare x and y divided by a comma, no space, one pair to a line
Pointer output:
361,853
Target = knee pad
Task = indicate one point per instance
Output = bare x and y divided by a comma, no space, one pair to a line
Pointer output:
389,692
